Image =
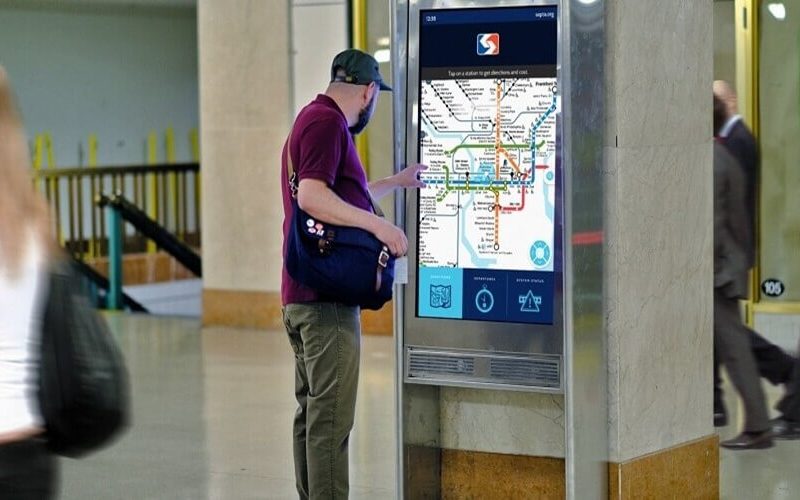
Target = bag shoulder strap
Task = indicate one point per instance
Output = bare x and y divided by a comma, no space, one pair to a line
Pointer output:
294,183
290,173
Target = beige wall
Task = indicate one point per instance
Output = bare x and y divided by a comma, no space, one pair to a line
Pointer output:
245,100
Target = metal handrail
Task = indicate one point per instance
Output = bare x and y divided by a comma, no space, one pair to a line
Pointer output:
150,228
102,282
118,209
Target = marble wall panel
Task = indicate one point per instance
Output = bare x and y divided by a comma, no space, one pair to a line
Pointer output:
659,301
515,423
659,249
660,62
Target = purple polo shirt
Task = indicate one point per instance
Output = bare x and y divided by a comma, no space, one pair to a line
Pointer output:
321,148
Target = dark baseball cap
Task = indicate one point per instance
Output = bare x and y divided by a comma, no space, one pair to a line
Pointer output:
359,67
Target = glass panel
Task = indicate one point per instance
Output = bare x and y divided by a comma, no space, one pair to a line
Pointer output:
779,101
724,41
380,127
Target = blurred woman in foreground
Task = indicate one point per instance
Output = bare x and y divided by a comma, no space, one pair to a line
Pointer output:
27,470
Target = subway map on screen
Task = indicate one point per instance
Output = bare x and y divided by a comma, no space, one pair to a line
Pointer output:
487,216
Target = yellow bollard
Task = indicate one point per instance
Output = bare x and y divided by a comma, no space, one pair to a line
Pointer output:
38,152
194,140
92,150
359,41
169,146
194,143
94,250
53,183
152,198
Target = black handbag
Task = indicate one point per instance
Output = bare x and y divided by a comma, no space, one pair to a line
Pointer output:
83,383
344,264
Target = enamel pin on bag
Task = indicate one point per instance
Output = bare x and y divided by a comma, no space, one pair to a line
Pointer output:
346,264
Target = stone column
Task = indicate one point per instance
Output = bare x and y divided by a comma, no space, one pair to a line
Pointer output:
245,99
659,249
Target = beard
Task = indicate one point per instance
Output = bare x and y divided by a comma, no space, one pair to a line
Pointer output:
361,124
363,117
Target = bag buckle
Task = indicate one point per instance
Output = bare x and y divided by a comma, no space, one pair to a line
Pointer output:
383,258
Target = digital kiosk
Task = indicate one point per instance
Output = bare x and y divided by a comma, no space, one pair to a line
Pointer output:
486,95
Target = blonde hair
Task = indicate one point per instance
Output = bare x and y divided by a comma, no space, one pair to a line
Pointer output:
23,212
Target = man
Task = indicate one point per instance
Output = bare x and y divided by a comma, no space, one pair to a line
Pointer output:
773,363
325,335
741,143
731,262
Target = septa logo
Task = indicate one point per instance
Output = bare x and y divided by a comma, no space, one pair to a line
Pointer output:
488,44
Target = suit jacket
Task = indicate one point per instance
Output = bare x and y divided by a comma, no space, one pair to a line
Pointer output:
743,146
732,231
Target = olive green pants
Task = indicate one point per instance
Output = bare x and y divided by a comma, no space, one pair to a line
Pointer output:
326,339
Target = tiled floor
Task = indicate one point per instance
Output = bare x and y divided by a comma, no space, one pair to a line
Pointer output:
212,418
772,474
213,411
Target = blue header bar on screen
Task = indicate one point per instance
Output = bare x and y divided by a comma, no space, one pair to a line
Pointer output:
522,36
483,16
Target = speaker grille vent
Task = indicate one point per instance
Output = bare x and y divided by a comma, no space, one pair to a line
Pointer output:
540,372
440,364
483,369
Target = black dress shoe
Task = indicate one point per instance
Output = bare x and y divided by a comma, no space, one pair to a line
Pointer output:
748,441
785,429
720,419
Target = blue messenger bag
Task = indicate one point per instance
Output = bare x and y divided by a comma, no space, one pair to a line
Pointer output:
344,264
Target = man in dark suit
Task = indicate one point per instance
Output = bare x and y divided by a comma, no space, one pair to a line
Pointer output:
732,239
741,143
773,363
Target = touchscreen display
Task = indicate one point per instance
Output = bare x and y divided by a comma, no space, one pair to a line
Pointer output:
487,218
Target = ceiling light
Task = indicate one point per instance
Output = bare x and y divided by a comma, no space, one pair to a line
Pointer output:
778,11
383,55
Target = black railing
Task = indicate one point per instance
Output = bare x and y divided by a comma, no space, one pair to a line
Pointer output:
152,230
100,288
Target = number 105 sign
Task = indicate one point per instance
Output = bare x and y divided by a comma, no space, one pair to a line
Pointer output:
773,288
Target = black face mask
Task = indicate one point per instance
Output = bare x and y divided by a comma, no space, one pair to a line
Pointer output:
363,120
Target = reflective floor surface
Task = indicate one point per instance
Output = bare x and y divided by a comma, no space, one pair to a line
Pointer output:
213,411
212,418
772,474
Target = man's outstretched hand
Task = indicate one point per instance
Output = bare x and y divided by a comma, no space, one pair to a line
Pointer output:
409,177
